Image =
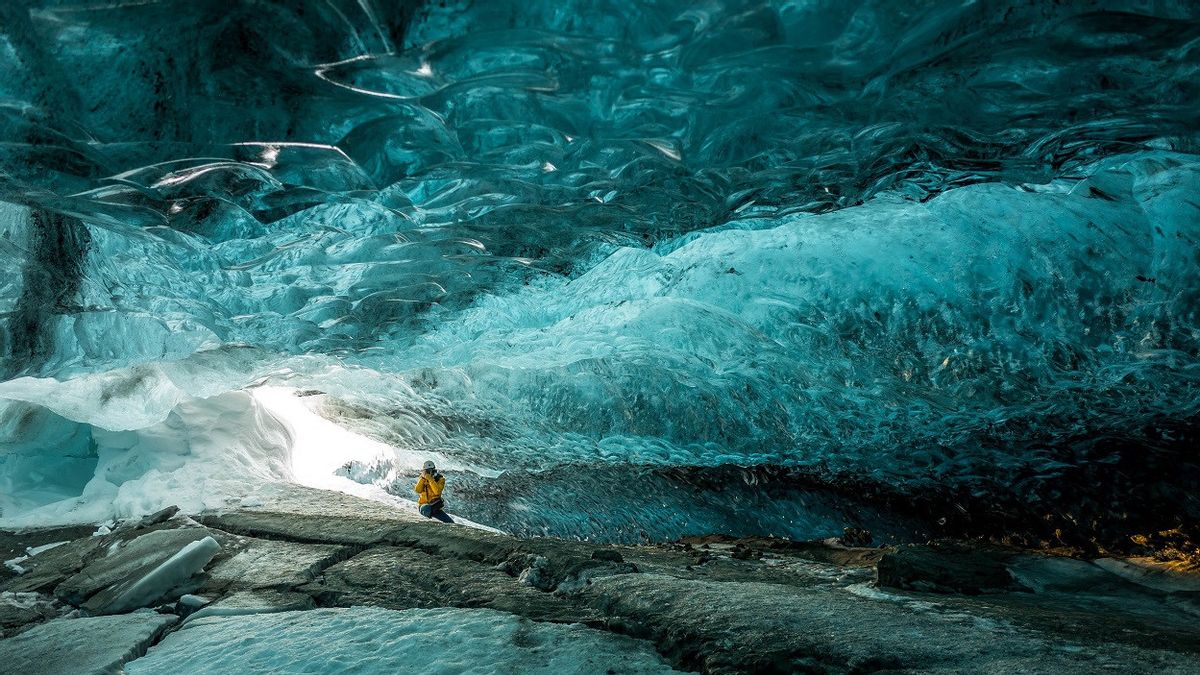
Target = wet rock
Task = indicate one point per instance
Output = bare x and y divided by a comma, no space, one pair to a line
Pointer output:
131,560
585,574
830,550
48,569
308,528
947,569
608,554
96,645
159,516
743,551
125,566
536,575
405,578
15,544
21,609
259,601
855,537
750,627
1152,573
153,582
262,563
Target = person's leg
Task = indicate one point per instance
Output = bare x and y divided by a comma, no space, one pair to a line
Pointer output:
442,516
426,510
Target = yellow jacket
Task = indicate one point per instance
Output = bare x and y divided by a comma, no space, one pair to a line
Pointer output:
429,489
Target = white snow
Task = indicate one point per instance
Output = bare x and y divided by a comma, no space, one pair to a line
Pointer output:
34,550
174,571
368,640
320,447
205,451
208,453
30,551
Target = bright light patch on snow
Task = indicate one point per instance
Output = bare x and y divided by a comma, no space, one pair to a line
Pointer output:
320,447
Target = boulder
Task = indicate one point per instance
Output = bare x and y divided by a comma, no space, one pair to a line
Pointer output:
947,569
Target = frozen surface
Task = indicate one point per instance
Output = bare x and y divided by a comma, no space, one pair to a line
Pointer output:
158,582
89,646
373,640
128,575
940,249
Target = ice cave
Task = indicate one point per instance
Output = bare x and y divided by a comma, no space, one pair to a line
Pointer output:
733,336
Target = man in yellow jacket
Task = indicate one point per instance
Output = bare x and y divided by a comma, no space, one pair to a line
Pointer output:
429,490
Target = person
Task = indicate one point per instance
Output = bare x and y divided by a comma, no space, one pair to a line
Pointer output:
429,488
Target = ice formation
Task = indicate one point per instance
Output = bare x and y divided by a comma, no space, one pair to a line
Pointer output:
936,252
375,640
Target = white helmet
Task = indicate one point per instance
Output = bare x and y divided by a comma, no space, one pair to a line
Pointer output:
428,465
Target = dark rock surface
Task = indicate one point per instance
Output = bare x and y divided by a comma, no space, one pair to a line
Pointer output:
262,563
710,603
20,610
261,601
947,569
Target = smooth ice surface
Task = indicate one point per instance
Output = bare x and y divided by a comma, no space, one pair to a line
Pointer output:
373,640
948,249
158,582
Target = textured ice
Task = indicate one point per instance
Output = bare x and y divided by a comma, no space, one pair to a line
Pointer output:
95,645
374,640
947,248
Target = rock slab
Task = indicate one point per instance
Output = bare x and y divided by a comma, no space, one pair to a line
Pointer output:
97,645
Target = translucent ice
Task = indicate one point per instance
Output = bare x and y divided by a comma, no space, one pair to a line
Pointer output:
940,249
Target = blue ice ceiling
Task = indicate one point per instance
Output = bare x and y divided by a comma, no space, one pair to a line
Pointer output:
924,248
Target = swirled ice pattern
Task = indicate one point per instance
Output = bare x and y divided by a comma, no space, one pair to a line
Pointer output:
933,247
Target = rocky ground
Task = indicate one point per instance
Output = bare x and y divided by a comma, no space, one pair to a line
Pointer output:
704,604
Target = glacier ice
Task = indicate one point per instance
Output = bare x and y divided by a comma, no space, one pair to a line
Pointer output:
738,254
375,640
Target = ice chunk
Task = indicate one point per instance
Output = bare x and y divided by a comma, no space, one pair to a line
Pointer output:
154,585
194,601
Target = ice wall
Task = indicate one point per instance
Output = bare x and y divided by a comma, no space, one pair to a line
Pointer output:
941,248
